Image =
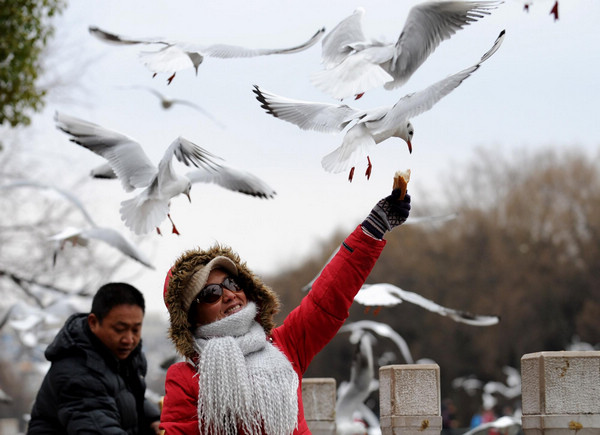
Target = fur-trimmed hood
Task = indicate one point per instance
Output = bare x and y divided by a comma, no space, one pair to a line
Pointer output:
178,280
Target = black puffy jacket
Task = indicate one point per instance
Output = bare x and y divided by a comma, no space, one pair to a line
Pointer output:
88,390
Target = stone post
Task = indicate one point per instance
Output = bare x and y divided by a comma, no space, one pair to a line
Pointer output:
410,399
318,397
9,426
561,393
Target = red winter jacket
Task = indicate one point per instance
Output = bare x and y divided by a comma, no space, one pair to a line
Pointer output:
305,331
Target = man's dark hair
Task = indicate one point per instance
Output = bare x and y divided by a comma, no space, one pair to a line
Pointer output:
115,293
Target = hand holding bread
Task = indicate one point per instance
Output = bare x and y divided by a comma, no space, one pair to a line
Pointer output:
401,179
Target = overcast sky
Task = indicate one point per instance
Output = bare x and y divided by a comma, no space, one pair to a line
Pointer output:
540,89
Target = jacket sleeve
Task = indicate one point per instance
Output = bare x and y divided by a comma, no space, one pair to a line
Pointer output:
180,410
84,404
151,412
310,326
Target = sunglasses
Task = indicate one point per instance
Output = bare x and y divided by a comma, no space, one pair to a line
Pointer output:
213,292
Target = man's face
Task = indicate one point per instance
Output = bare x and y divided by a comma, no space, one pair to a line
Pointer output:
120,330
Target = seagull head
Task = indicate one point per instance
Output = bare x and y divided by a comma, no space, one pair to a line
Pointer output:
410,131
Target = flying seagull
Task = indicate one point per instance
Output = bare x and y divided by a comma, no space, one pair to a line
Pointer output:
367,127
168,102
82,236
134,169
175,56
352,394
385,294
358,328
354,64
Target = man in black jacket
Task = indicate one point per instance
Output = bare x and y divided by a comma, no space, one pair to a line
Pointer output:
96,383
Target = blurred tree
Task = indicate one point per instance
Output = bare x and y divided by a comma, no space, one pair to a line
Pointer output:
24,32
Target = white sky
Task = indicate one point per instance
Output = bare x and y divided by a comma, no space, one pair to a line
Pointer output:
539,89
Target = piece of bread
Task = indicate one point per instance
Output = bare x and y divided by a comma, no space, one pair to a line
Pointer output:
401,179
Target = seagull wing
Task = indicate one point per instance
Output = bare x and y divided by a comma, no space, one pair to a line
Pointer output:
352,64
413,220
225,51
356,74
116,240
339,42
154,92
125,155
113,38
199,109
190,154
234,179
506,422
107,235
307,115
104,171
187,153
416,299
427,25
414,104
382,330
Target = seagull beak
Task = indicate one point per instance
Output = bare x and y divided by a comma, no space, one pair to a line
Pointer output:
188,196
409,146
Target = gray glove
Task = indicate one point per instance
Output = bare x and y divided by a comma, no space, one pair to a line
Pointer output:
387,214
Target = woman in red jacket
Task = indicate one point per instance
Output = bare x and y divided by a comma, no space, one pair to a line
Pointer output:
243,374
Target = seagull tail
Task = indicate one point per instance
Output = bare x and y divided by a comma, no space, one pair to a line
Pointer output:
143,215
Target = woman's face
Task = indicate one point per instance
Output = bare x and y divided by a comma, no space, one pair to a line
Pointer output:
230,303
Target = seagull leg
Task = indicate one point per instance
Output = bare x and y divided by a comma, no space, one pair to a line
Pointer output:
357,96
174,231
170,79
369,168
158,231
351,174
376,311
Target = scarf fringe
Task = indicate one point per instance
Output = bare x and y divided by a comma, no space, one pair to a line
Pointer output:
244,381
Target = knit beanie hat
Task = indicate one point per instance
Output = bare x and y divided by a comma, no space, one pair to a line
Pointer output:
199,278
188,276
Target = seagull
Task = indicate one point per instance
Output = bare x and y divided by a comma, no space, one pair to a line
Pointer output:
504,425
352,394
367,127
510,389
175,56
167,102
35,327
468,383
385,294
134,169
354,64
5,398
82,236
358,328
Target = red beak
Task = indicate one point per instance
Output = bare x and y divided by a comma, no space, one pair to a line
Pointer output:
409,146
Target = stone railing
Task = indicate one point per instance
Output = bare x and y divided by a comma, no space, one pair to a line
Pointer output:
560,395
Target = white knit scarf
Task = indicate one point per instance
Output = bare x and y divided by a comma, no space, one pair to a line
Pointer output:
245,381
